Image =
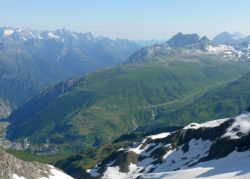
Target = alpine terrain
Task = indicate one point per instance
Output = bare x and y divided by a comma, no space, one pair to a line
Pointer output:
102,105
196,151
124,89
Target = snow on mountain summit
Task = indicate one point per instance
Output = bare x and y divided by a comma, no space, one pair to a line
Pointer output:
215,149
53,36
8,32
20,34
17,34
192,45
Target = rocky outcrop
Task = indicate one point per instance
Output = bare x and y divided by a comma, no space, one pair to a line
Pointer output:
189,41
11,167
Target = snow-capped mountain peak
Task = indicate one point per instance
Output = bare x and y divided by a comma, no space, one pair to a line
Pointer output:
8,32
17,34
22,34
52,35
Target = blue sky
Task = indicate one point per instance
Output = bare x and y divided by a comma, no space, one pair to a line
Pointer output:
132,19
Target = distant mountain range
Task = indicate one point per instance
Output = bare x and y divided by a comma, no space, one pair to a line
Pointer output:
32,60
144,43
227,38
192,45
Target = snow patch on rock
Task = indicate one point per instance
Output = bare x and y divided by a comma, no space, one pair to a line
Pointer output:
208,124
159,136
239,128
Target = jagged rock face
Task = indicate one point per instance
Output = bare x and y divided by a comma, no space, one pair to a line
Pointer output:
194,146
191,41
181,40
11,167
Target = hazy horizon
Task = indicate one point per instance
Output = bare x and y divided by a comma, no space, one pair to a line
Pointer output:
146,20
114,38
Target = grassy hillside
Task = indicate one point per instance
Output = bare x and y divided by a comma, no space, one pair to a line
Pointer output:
103,105
225,101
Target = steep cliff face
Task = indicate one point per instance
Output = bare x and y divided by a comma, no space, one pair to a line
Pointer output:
13,168
5,108
217,148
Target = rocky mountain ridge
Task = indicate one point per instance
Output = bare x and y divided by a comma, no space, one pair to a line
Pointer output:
197,147
13,168
191,45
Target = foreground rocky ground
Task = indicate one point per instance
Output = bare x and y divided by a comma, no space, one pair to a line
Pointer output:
13,168
215,149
